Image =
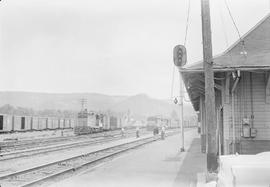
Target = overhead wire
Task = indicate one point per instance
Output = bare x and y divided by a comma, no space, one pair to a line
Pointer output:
243,52
224,29
185,41
234,23
187,23
172,86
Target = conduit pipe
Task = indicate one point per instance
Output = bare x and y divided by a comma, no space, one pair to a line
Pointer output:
233,114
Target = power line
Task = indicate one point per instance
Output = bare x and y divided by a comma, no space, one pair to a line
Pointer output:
187,23
185,41
224,26
235,26
172,86
243,52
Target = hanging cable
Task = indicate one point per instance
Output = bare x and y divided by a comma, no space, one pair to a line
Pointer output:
224,26
185,41
187,23
235,26
224,31
243,52
172,86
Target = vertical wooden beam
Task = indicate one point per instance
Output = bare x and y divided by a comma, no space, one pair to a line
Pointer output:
227,89
203,125
212,162
267,88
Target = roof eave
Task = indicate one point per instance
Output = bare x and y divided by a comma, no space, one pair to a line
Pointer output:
182,70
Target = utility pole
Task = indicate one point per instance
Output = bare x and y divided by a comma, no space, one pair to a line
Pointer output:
212,163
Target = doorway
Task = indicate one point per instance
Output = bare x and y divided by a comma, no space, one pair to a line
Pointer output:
23,123
1,122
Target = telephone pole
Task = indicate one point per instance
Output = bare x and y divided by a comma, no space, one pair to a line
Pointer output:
212,163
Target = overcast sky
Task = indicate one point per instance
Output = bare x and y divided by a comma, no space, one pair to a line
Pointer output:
115,47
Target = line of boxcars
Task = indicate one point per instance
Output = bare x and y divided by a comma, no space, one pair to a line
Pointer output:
159,121
9,123
92,122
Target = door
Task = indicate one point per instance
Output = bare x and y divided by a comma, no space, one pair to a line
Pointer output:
1,122
23,123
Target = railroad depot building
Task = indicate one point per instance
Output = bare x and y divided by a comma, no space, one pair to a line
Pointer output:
242,90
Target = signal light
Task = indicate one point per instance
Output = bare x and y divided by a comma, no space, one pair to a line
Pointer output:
179,55
175,100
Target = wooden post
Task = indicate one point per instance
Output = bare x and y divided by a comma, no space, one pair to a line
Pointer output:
212,163
203,128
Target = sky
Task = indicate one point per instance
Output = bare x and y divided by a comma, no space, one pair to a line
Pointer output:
114,47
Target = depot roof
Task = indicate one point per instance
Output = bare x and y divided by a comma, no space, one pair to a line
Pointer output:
249,52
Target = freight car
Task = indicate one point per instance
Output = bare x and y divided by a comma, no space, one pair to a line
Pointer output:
87,122
91,122
11,123
156,122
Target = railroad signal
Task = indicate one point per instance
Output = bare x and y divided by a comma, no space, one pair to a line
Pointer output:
175,100
179,55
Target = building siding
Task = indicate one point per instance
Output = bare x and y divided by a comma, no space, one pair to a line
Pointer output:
242,104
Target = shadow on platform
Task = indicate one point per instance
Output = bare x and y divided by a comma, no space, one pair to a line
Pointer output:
194,162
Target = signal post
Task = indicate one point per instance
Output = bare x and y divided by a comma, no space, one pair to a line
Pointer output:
180,58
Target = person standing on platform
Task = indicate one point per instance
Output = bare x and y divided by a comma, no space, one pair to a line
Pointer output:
137,132
162,132
122,132
155,131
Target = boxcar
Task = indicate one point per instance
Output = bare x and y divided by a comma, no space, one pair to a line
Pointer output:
61,123
66,123
27,122
42,123
6,123
55,123
35,123
72,123
49,123
106,122
113,122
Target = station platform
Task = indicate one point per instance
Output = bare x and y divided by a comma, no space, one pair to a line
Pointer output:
157,164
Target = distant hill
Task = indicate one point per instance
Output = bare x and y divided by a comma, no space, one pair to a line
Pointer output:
139,105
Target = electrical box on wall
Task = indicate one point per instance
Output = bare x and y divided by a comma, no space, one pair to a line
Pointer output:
253,132
246,131
246,128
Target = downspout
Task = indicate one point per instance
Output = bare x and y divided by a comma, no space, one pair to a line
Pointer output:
251,100
233,114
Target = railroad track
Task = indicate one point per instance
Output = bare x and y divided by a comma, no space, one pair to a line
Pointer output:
28,144
46,149
42,174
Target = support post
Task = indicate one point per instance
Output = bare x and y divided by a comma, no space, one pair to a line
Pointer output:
182,113
212,163
267,88
203,128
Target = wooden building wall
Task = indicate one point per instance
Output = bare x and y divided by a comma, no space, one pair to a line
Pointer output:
244,94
